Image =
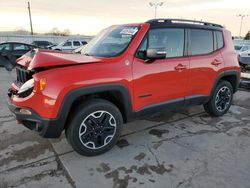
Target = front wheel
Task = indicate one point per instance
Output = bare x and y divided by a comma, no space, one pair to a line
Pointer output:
94,127
221,99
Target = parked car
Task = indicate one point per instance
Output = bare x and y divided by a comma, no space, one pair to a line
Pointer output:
125,72
42,44
69,45
78,50
245,81
16,49
241,48
244,60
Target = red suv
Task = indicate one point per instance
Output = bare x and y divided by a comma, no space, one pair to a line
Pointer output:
125,72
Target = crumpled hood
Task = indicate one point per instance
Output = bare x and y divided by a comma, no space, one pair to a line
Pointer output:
41,58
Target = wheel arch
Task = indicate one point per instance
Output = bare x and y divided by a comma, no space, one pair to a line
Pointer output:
231,76
117,94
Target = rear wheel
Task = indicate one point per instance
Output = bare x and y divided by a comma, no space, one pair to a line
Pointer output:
94,127
220,100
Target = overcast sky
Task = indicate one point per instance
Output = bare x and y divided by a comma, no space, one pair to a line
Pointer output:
90,16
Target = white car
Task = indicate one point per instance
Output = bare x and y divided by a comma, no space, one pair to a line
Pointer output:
244,60
241,48
69,45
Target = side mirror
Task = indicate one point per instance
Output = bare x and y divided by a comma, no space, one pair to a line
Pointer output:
156,53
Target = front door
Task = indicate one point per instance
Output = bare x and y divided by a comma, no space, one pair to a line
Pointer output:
161,80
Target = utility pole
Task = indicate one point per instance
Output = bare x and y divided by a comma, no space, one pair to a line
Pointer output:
155,5
242,16
31,27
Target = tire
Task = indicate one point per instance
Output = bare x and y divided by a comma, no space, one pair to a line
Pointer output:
221,99
94,127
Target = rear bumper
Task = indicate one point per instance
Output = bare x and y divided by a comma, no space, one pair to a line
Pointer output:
47,128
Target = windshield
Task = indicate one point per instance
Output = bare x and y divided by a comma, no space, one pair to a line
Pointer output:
110,42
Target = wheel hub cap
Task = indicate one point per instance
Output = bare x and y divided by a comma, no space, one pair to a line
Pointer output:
97,129
223,99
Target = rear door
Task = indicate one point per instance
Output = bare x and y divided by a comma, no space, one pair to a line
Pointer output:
67,46
205,61
76,44
163,79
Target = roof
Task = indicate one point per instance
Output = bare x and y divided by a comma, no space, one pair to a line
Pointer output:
12,42
182,22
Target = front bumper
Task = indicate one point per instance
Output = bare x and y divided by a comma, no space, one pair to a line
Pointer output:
47,128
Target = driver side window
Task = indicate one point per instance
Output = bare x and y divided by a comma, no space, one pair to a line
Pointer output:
172,39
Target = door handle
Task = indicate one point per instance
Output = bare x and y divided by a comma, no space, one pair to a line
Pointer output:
180,67
216,62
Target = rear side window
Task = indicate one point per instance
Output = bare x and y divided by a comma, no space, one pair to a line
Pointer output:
201,42
68,43
220,41
76,43
20,47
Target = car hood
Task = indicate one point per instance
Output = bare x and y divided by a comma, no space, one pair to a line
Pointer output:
41,58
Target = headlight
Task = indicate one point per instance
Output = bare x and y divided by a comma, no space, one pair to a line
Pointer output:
26,86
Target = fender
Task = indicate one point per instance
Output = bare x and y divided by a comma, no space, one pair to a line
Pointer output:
227,73
76,93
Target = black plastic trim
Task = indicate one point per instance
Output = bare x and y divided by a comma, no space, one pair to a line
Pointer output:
73,95
224,74
196,100
172,105
185,23
47,128
166,106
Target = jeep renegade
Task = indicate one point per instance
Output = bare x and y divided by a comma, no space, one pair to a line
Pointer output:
125,72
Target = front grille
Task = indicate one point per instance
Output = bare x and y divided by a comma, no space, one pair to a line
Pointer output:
23,75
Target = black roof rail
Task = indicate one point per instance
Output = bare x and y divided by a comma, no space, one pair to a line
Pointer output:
183,21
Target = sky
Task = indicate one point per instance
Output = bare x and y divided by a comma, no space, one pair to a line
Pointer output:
88,17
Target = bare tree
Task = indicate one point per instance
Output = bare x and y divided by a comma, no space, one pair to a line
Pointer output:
247,37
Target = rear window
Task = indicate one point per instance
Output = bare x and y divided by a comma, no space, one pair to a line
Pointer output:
201,42
220,41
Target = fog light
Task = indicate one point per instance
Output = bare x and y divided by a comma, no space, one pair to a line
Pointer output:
25,111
